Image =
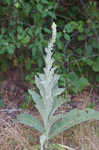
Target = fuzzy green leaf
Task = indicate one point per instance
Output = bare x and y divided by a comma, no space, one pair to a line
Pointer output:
53,119
40,86
36,97
57,91
54,84
39,103
73,118
57,103
31,121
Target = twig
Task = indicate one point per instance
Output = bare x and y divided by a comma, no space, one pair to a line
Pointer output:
10,110
67,147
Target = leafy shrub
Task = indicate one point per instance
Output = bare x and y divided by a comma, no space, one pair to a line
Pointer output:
22,30
24,34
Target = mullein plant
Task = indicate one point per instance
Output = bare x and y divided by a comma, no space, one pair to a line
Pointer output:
48,100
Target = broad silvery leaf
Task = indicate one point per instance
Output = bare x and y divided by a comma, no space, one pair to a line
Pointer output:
42,76
39,103
57,91
31,121
53,119
39,85
57,103
36,97
55,80
73,118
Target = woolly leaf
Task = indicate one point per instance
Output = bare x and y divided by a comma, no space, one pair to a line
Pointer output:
39,103
42,76
31,121
57,91
57,103
40,86
73,118
53,119
36,97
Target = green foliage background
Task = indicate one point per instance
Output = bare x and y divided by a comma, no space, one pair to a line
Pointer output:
25,31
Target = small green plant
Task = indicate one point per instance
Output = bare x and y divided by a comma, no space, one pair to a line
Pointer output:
1,104
28,101
48,101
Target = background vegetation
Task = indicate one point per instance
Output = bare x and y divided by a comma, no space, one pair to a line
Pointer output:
24,31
